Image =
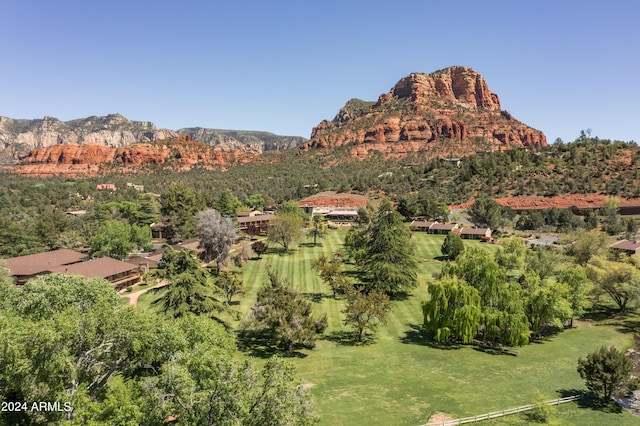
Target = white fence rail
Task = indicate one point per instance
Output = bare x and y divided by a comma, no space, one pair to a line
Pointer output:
496,414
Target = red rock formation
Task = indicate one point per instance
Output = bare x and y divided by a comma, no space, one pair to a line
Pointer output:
449,112
180,153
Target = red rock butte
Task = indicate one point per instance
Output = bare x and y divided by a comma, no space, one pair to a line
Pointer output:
449,113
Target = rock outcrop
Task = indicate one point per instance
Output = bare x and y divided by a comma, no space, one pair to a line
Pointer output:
179,153
19,137
451,112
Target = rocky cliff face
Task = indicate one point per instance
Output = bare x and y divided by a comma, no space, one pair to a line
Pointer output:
179,153
255,142
451,112
19,137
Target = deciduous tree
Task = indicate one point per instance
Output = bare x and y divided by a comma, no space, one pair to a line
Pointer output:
230,284
366,312
318,228
217,234
259,247
606,371
453,311
620,280
330,272
285,229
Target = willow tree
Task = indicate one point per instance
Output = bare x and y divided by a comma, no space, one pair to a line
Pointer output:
503,317
453,311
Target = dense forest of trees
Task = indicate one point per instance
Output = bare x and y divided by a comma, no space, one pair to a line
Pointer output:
32,210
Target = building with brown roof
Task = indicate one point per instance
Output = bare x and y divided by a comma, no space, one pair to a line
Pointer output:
258,222
443,228
475,233
421,225
629,247
26,267
120,274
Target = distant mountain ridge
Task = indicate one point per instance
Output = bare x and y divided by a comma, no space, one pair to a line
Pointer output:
451,112
18,137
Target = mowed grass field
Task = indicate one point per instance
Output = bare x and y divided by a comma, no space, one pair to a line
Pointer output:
400,379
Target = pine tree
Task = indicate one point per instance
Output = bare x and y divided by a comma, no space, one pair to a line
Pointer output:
389,265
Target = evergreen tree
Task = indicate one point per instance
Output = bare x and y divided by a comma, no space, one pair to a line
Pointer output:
389,264
452,246
285,315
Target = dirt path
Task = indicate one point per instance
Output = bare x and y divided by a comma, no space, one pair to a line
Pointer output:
133,297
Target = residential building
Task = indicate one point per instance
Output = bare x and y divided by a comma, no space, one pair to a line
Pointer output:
23,268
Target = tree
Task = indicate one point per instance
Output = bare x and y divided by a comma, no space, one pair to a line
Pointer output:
452,246
511,253
503,315
578,285
230,284
227,204
586,245
178,206
64,338
453,311
116,239
606,371
235,394
318,228
188,293
255,201
259,248
545,304
175,262
330,272
620,280
70,339
611,222
217,234
285,229
530,220
291,207
244,252
285,315
389,264
365,312
485,212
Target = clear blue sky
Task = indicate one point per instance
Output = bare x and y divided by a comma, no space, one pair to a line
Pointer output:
283,66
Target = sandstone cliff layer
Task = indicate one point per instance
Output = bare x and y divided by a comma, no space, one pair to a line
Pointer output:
19,137
451,112
179,153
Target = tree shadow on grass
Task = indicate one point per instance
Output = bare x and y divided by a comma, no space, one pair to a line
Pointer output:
417,336
316,297
348,338
590,400
257,343
493,350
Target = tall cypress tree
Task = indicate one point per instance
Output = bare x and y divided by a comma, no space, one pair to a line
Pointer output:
389,265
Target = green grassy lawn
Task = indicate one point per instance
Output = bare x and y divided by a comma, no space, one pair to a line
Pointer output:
400,379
